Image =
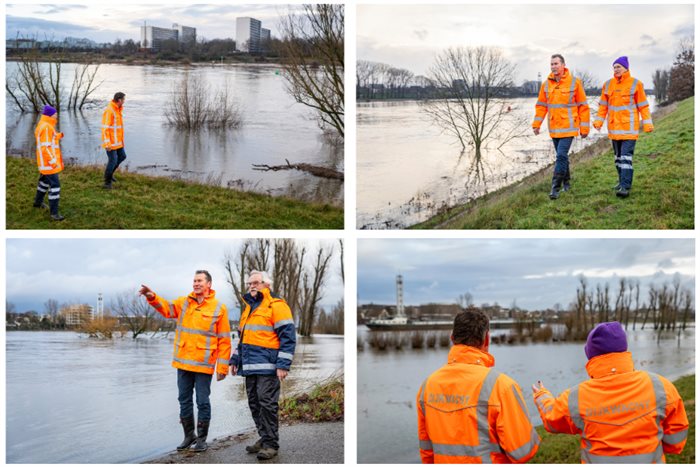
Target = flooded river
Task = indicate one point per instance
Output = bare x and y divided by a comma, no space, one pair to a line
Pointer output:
407,169
76,400
388,382
274,128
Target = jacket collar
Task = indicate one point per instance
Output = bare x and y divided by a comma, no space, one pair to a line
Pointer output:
471,355
613,363
211,296
626,75
49,120
564,76
263,294
115,107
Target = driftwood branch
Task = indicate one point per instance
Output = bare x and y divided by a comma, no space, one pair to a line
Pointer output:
316,170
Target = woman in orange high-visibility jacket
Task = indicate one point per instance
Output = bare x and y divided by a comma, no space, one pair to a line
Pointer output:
562,97
624,416
50,162
113,137
622,101
469,413
202,344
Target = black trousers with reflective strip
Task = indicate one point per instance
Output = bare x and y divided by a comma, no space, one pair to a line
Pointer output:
263,400
51,185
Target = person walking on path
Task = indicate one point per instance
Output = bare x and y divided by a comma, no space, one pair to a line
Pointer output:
624,416
202,344
113,137
622,101
467,411
50,162
562,97
267,339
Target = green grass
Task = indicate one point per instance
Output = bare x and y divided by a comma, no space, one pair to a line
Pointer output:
565,449
324,403
143,202
661,198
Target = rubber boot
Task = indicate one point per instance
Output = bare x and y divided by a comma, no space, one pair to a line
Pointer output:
567,181
190,437
556,185
39,200
53,207
202,432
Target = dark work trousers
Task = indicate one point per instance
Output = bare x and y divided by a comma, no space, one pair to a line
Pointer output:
201,384
624,150
561,166
48,184
263,399
114,158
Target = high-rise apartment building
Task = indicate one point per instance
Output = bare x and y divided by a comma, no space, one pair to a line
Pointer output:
152,36
248,34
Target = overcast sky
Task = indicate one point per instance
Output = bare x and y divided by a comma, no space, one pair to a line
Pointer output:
105,22
537,273
590,37
77,269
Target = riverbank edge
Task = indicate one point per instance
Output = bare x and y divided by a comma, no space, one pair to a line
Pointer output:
565,449
148,202
324,402
471,208
144,61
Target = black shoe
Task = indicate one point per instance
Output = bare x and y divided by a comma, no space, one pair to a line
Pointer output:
190,437
556,184
107,186
114,180
267,453
622,192
566,187
617,187
57,217
254,448
41,205
202,432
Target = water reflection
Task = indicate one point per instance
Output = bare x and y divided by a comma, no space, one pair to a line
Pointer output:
120,396
274,128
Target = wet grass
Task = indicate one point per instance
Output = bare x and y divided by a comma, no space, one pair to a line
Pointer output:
565,449
143,202
662,193
324,403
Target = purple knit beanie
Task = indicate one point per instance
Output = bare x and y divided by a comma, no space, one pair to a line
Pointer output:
48,111
606,338
624,61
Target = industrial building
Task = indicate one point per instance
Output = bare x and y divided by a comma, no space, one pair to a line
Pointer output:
152,36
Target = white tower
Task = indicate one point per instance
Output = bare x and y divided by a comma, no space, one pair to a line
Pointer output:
399,296
100,306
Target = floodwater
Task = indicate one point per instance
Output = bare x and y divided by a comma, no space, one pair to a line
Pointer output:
388,382
77,400
274,128
407,169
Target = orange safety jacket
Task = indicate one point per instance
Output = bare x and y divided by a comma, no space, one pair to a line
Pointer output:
622,100
48,149
566,103
624,416
471,413
112,127
203,335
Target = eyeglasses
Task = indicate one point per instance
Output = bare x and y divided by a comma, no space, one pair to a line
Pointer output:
253,283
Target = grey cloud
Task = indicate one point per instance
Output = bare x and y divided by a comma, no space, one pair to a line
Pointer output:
421,34
684,30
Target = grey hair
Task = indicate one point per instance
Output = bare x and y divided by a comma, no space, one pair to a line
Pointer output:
265,276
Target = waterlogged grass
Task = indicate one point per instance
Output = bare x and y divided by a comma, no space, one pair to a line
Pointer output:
565,449
662,192
143,202
324,403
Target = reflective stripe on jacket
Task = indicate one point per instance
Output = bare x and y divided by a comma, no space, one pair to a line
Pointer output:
623,415
203,334
622,100
267,336
566,103
112,127
48,149
471,413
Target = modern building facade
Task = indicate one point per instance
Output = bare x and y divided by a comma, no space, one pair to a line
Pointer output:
76,315
152,36
185,33
248,32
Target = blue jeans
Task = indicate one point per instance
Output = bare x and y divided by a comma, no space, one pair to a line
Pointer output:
201,384
562,146
624,150
114,158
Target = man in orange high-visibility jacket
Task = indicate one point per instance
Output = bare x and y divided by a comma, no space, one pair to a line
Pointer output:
562,97
113,137
624,416
202,343
623,100
50,162
467,411
264,355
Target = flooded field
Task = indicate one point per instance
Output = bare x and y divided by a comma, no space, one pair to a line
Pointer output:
275,128
76,400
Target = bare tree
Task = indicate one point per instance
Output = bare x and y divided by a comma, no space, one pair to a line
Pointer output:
660,79
313,47
342,260
682,76
194,105
312,284
51,308
472,82
133,312
588,80
466,300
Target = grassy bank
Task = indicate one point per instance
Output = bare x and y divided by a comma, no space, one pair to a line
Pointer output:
143,202
324,403
662,192
565,449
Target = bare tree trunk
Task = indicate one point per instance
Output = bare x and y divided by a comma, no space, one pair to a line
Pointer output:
312,290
